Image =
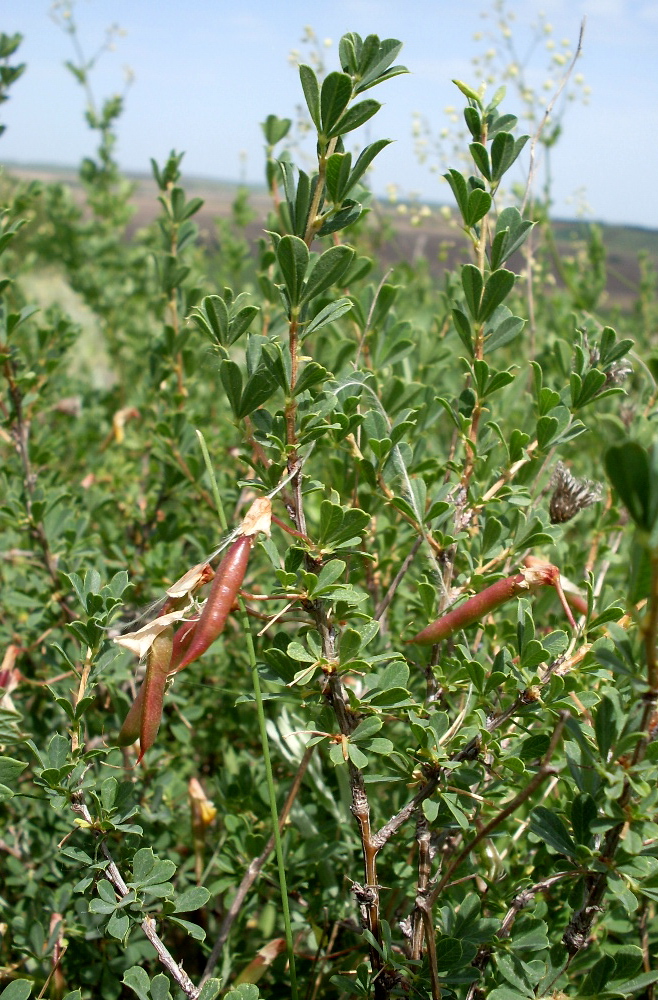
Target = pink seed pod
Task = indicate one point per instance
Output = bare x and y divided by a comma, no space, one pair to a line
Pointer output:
478,607
168,653
145,714
225,586
182,639
223,592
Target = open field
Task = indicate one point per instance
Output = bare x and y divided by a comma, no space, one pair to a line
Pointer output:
435,239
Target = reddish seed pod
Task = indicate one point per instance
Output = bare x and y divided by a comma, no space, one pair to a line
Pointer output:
476,608
182,640
168,653
223,592
155,682
131,725
143,719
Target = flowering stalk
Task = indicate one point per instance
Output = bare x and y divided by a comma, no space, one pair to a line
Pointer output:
479,606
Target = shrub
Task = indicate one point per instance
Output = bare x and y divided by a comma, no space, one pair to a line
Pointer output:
461,809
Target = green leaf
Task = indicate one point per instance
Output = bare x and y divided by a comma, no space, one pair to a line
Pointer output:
193,930
457,182
378,67
244,991
367,728
635,985
356,116
468,92
20,989
504,151
192,899
511,232
463,328
481,157
498,286
211,317
550,828
259,388
118,925
506,993
583,814
473,122
357,757
211,989
231,378
479,203
292,256
160,987
380,746
311,88
634,477
605,726
364,160
448,953
329,314
138,981
472,284
598,977
334,98
10,770
337,175
350,212
312,374
546,430
327,271
275,129
503,333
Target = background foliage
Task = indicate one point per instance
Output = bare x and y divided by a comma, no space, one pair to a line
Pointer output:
474,817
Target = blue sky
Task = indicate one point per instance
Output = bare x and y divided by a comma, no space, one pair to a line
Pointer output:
208,71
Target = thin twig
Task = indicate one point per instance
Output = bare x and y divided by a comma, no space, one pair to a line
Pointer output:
543,772
113,874
397,580
520,901
254,870
547,114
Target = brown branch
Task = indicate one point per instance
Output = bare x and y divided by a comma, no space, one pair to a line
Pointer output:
424,870
520,901
113,874
393,825
544,771
397,580
254,870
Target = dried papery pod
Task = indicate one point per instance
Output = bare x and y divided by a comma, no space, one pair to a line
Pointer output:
572,594
478,607
571,495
